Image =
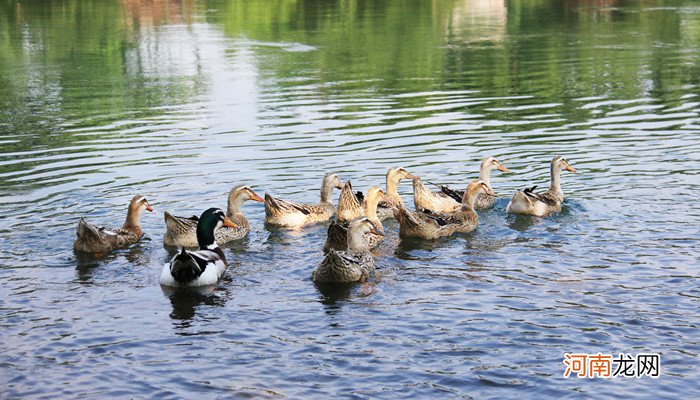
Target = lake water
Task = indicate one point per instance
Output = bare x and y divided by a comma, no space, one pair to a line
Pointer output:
181,100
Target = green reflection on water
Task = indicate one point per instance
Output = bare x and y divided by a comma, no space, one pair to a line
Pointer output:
93,63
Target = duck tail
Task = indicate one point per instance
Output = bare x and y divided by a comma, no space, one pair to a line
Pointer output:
522,196
271,205
184,267
404,217
170,221
173,223
86,230
337,237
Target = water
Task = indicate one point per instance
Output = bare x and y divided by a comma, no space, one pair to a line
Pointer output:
182,100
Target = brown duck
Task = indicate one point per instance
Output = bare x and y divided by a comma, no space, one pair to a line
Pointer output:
100,241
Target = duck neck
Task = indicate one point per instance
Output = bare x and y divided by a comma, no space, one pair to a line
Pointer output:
371,208
392,185
133,217
468,201
555,186
357,242
485,173
326,191
234,205
205,236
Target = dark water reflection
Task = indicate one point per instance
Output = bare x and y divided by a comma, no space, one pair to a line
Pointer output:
181,100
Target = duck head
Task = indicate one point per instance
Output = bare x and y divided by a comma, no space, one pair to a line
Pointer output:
476,186
139,203
211,220
239,195
394,176
560,163
490,163
357,231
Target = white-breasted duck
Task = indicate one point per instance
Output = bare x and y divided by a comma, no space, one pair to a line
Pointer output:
204,266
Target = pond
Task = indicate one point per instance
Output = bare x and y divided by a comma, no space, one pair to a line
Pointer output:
181,100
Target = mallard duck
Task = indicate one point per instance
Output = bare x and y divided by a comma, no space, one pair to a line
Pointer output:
287,214
449,200
204,266
427,225
392,199
352,265
99,240
349,206
182,232
541,204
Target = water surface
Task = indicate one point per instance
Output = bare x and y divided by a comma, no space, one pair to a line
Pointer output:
180,101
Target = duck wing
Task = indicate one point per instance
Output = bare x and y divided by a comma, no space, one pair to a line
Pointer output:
433,216
174,223
545,197
92,233
187,266
279,206
454,194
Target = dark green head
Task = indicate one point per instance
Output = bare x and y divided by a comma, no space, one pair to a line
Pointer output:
209,222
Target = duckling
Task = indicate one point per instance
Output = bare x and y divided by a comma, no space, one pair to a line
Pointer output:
541,204
352,265
204,266
350,207
99,240
287,214
392,199
426,225
182,232
449,200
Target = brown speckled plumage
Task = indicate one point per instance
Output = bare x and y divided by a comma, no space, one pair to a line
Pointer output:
99,240
431,226
182,232
352,265
288,214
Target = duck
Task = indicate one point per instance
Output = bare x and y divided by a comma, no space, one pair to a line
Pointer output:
204,266
541,204
100,241
288,214
182,231
429,225
354,264
350,208
392,199
449,200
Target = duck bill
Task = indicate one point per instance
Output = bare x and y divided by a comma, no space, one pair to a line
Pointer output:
377,232
503,168
257,198
570,169
339,186
149,208
229,223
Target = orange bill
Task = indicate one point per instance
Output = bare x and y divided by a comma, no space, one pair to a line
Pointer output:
570,169
229,223
149,208
255,197
503,168
376,232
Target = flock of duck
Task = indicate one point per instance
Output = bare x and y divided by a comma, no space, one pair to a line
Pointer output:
355,230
